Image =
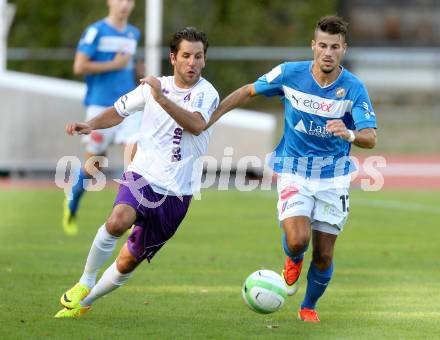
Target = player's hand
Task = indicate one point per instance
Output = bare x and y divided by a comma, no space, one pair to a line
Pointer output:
156,87
78,128
121,60
338,128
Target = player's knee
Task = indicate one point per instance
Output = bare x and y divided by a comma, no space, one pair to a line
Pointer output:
117,224
125,265
322,260
297,244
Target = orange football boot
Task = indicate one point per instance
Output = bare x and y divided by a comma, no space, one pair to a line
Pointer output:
291,274
308,315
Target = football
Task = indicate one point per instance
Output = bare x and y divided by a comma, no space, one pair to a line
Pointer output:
264,291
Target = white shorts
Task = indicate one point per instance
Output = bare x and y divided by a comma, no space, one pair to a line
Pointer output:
125,133
325,206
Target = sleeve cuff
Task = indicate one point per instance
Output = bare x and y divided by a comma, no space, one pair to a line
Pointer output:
257,87
85,51
365,125
205,115
118,110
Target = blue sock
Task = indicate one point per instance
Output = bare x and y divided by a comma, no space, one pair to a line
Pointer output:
296,258
77,192
317,282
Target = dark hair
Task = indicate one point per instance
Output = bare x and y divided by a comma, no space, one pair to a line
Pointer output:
332,24
188,34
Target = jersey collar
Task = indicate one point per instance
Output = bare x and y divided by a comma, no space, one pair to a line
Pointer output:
180,89
331,84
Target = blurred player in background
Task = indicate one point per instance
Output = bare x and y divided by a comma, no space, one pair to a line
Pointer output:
327,109
105,56
156,191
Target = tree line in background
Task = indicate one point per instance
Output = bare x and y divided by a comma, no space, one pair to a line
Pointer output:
54,23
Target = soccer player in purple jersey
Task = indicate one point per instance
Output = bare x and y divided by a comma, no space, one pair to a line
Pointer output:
156,190
327,109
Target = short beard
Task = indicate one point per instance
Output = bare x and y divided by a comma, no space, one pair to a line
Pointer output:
327,71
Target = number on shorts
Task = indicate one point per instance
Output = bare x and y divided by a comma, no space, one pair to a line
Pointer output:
344,199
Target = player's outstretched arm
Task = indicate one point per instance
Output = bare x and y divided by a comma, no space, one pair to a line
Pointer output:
192,122
365,138
106,119
237,98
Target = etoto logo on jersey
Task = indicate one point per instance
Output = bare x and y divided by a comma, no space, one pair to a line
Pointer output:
324,107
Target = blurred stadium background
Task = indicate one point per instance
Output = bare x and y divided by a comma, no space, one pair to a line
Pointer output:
394,48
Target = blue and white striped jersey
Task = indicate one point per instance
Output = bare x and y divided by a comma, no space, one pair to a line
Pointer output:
101,41
306,147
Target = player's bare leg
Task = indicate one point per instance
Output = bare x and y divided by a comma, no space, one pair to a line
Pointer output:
323,249
296,238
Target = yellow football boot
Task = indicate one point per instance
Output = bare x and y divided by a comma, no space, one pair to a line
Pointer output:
74,295
71,313
69,221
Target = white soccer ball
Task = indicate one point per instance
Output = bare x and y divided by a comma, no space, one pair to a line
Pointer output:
264,291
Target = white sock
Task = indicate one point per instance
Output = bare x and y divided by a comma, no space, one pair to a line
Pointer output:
102,247
109,281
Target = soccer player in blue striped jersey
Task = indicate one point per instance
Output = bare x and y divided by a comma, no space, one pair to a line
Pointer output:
327,109
105,56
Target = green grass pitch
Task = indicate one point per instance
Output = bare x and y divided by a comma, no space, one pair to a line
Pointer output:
385,286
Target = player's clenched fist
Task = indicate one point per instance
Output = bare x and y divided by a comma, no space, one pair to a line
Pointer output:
338,128
156,87
79,128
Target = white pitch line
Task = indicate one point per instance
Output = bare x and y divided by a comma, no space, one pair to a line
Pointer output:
398,205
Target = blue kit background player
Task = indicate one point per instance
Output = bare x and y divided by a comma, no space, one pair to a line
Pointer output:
327,109
105,56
